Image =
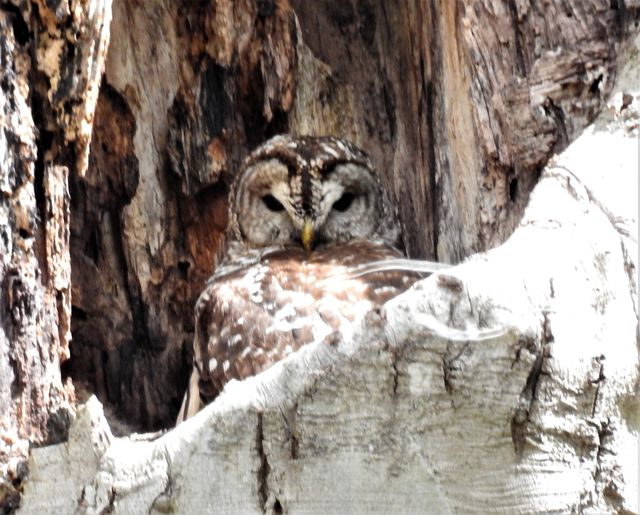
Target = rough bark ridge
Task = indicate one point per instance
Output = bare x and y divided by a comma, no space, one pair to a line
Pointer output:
459,104
51,61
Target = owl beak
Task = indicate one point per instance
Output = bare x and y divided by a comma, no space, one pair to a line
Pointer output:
306,236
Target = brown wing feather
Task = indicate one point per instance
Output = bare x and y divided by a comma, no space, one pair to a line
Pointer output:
251,318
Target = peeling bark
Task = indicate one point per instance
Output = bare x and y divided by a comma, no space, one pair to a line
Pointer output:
51,60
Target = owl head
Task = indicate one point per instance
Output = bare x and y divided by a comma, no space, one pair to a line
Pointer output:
309,192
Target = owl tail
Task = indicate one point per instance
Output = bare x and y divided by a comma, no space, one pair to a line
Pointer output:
191,402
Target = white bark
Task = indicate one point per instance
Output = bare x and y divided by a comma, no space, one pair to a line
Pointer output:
543,418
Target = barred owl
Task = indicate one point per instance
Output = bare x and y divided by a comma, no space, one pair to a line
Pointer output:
303,213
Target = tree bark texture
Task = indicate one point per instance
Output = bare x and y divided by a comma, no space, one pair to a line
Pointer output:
114,184
51,62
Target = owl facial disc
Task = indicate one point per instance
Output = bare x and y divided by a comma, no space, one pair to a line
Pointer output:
309,192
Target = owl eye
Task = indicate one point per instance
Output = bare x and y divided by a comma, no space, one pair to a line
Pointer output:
272,203
344,202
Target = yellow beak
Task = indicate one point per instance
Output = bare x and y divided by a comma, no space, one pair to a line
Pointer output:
307,234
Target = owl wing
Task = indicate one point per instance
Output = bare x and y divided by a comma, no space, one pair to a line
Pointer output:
248,320
245,322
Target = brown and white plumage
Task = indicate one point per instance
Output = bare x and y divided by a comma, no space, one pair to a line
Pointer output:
303,213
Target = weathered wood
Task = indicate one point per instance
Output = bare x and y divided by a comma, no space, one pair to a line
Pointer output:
461,103
187,89
460,106
70,42
51,61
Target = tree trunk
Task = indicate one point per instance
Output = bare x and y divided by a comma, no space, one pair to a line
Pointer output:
460,104
460,107
50,67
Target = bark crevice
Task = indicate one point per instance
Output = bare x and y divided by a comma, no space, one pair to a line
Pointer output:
521,421
264,469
